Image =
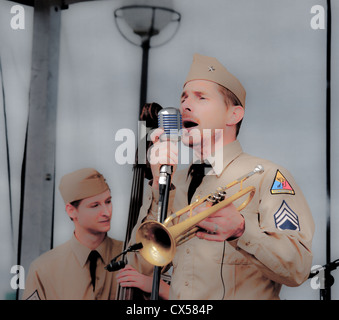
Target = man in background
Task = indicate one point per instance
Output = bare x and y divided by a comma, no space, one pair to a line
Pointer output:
75,269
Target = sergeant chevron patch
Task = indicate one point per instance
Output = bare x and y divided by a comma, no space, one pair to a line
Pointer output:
34,296
286,219
281,185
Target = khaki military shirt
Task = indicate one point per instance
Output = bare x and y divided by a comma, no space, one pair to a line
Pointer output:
63,273
274,249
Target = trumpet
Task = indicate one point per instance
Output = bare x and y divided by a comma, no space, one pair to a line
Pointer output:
159,241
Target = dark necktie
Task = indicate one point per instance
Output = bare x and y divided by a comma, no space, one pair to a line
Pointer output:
93,257
197,172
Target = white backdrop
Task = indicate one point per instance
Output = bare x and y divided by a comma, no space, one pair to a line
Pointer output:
268,44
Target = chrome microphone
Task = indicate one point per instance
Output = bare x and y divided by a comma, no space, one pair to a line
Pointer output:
171,121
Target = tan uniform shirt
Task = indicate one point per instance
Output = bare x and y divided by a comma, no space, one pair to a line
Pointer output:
63,273
274,249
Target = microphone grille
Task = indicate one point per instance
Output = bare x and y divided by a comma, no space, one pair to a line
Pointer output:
170,119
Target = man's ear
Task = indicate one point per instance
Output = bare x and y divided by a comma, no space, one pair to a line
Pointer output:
71,211
236,115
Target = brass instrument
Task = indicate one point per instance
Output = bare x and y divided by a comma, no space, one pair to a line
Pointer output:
159,241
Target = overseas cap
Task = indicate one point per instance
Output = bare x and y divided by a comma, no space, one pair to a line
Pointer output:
82,184
208,68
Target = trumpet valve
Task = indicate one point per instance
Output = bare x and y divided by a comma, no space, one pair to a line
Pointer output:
211,199
214,198
222,193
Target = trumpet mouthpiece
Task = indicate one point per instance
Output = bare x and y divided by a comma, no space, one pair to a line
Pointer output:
259,169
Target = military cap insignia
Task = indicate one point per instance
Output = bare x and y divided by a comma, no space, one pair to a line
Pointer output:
281,185
211,68
286,219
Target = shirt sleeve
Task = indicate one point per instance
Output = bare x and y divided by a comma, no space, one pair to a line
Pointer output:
34,289
278,237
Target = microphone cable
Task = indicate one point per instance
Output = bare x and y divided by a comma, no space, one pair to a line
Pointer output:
221,268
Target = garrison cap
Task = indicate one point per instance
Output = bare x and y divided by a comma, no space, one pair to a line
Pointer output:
208,68
82,184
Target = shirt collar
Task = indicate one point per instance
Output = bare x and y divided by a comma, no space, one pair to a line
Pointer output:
224,156
81,251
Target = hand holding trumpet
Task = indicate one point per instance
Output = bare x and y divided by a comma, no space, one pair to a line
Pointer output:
226,223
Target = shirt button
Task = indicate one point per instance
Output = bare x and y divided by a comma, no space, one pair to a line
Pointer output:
188,250
186,283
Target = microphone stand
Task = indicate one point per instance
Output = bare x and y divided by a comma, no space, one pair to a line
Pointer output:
164,188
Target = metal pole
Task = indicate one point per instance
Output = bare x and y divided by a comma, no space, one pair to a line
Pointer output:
37,198
164,189
144,73
325,294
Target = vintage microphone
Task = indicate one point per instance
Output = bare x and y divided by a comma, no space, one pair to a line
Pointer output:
115,265
170,120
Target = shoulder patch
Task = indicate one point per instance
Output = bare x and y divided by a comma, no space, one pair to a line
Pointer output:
281,185
34,296
286,219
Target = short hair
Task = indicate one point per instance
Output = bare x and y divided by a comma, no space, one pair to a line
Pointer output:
75,204
231,99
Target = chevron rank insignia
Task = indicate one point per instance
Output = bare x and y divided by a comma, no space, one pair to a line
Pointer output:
34,296
281,185
286,219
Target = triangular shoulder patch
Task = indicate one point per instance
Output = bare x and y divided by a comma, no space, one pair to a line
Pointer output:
281,185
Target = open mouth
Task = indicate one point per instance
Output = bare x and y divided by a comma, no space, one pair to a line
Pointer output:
189,124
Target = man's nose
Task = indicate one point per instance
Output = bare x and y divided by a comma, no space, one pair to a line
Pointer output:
107,210
186,106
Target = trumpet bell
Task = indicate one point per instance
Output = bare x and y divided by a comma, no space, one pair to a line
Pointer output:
158,243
